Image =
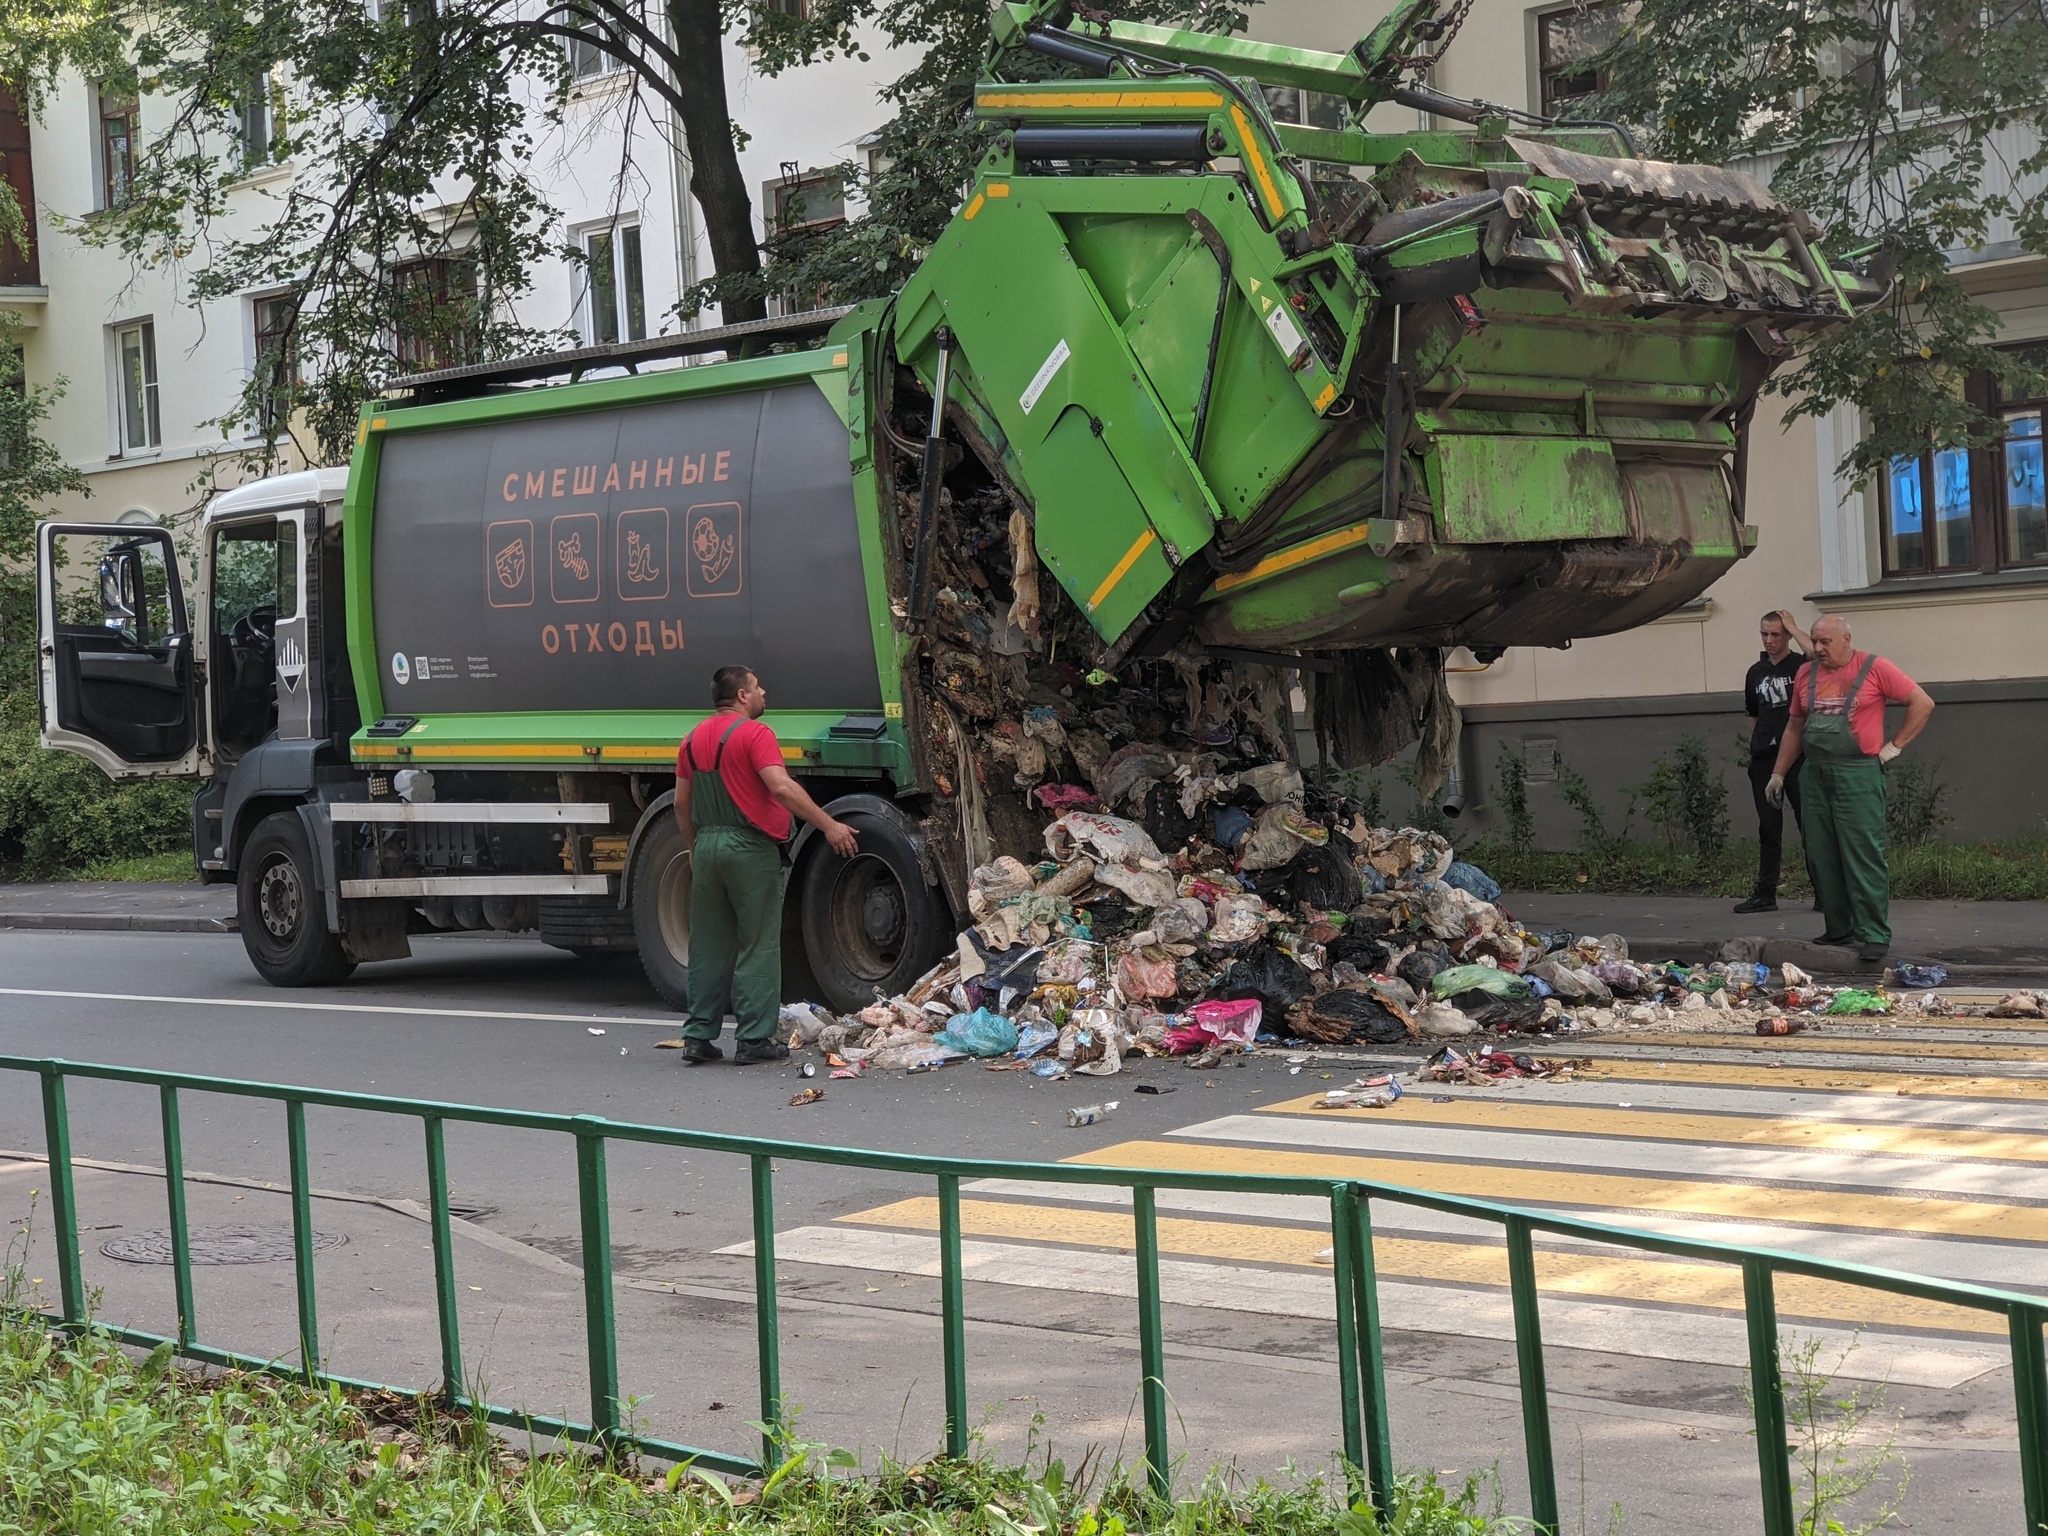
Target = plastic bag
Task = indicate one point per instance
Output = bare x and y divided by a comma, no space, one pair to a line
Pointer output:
1106,1060
1477,978
1493,1010
1232,1021
1004,878
1473,880
1109,839
1419,967
803,1023
1361,949
1264,973
1033,1039
1345,1017
1320,878
1237,919
1181,922
1919,977
983,1032
1854,1001
928,1052
1231,826
1142,976
1144,887
1442,1019
1274,840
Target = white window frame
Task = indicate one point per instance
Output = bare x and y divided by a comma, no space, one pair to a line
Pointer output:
616,232
133,437
589,63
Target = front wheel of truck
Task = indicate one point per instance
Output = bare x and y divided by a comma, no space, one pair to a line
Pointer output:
281,911
661,911
870,923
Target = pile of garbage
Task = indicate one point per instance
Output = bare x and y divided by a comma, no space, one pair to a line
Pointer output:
1281,915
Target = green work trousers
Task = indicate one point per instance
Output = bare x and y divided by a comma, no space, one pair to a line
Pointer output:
735,933
1844,827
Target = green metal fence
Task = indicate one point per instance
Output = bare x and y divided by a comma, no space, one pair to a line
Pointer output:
1361,1387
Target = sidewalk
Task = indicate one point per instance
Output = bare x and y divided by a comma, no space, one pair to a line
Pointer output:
2006,935
137,906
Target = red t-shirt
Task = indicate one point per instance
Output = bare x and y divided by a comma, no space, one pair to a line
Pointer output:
1886,683
752,747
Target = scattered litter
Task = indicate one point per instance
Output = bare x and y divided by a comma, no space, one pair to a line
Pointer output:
593,1031
1780,1026
806,1096
671,1045
1918,977
808,1069
1854,1000
1091,1114
1154,1088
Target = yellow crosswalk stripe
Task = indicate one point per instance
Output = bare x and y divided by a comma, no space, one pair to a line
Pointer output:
1877,1077
1939,1050
1518,1185
1579,1275
1721,1130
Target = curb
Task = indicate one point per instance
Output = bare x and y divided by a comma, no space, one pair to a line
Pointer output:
115,922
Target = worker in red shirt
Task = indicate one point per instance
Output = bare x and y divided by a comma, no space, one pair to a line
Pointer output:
734,801
1837,721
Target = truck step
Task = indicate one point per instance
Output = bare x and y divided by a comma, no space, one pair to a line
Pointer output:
500,813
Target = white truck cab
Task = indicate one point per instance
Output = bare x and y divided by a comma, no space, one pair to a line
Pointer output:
154,672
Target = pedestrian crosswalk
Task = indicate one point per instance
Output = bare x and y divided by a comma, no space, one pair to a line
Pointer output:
1899,1153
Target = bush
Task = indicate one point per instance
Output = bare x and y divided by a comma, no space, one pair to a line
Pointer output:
1914,802
1687,797
59,814
1513,775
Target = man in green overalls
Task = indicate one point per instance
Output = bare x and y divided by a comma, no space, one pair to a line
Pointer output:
734,801
1838,702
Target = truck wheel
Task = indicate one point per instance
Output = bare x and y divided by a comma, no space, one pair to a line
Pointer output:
870,922
281,912
661,912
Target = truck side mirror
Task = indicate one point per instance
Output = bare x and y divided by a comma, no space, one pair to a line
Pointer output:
120,588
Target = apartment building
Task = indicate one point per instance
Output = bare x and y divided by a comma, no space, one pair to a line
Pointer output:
148,375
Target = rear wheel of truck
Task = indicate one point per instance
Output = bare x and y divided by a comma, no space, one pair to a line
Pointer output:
870,923
281,912
661,911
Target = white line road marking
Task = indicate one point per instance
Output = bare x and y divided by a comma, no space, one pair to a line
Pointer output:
1878,1106
1701,1161
296,1006
1661,1333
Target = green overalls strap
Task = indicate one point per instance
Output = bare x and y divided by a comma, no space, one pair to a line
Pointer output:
1844,822
735,910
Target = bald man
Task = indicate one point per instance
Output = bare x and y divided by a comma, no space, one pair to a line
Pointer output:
1837,725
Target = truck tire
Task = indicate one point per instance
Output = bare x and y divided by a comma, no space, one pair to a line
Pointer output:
282,915
870,923
661,912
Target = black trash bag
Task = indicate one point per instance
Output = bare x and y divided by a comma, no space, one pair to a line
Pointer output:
1276,980
1552,940
1362,950
1159,813
1419,967
1347,1016
1491,1012
1366,924
1319,877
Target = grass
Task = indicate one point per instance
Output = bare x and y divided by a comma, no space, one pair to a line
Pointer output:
165,868
95,1441
2012,870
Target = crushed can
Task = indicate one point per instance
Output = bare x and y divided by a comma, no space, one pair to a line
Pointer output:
1092,1114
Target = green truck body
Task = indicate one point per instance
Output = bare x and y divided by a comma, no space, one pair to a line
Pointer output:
1171,337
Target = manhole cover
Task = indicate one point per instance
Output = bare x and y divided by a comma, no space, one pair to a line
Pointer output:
233,1243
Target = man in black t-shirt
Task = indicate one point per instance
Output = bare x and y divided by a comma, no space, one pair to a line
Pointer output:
1767,700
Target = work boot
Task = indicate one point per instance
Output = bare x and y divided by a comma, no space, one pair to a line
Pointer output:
751,1051
1836,941
1872,951
697,1052
1758,901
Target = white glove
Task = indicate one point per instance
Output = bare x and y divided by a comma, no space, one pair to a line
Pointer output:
1887,752
1775,790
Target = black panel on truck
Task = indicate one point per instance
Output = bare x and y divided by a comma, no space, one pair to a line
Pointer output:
613,559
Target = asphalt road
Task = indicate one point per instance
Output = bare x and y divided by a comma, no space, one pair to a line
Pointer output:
1645,1378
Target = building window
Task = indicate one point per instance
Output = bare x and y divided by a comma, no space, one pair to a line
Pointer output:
277,361
18,266
618,297
1958,509
796,10
799,200
120,128
589,59
135,357
437,313
1568,44
261,124
1305,109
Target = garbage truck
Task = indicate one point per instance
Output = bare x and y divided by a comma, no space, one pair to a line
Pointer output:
1207,391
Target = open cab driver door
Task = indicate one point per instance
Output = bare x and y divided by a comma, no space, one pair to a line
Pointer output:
118,680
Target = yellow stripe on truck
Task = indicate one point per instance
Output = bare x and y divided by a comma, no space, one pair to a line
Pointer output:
1122,568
